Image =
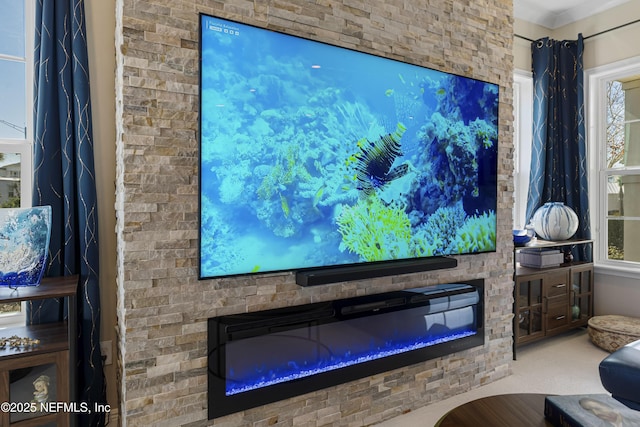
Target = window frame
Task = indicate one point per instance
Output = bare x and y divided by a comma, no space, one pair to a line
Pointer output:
595,88
23,147
522,138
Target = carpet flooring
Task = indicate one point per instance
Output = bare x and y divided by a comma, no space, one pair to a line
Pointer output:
564,364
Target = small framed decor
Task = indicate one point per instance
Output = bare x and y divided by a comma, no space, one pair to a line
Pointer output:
24,245
35,387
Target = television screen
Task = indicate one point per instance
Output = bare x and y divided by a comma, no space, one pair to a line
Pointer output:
313,155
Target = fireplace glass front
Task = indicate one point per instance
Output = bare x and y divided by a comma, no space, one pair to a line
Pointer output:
257,358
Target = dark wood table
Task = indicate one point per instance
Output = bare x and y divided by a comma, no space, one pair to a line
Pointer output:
505,410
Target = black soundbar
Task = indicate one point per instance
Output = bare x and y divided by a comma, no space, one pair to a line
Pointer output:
345,273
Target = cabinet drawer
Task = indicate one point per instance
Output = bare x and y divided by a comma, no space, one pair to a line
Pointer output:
557,316
556,284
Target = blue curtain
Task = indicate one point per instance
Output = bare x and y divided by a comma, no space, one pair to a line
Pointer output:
64,178
558,155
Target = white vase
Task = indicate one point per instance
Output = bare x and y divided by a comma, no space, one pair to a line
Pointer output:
555,221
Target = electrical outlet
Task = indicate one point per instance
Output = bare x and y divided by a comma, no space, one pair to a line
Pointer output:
106,351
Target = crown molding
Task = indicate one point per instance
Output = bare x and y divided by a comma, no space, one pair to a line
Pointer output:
554,14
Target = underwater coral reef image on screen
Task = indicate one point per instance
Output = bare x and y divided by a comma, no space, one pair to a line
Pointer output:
313,155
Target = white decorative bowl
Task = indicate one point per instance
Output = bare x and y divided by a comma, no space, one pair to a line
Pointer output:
555,221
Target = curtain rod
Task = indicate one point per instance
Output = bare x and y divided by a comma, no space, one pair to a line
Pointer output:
592,35
611,29
524,38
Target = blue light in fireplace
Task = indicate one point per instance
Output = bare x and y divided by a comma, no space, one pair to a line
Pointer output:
285,356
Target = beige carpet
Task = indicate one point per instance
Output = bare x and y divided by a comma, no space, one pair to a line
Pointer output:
565,364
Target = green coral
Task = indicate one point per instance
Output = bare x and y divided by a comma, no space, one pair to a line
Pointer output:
377,232
439,231
449,230
423,247
270,182
486,134
374,231
288,170
478,234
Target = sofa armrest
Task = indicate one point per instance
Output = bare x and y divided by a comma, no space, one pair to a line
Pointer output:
620,374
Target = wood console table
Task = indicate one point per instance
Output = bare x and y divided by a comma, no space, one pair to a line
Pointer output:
551,300
505,410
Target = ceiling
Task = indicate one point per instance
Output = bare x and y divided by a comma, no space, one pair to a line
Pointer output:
556,13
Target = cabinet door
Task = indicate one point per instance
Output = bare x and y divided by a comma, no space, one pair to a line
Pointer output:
528,316
33,386
581,299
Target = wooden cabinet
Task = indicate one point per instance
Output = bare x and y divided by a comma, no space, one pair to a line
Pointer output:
35,381
551,300
581,294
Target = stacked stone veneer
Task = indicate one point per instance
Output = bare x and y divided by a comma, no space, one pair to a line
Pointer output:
162,307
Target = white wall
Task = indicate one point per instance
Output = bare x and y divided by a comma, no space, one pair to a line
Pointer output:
612,46
100,20
599,50
615,293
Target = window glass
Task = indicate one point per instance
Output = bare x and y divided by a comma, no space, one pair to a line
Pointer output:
12,28
622,169
15,145
10,171
12,69
12,87
621,224
615,123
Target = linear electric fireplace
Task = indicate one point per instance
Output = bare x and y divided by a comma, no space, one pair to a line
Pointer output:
261,357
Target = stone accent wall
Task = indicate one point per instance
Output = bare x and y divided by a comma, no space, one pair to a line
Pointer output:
162,307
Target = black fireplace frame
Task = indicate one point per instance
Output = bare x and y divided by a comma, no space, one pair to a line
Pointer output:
225,329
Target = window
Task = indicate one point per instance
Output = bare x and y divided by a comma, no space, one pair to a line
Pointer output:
522,135
614,135
16,29
16,39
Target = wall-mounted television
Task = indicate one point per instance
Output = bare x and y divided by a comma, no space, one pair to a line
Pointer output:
314,155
